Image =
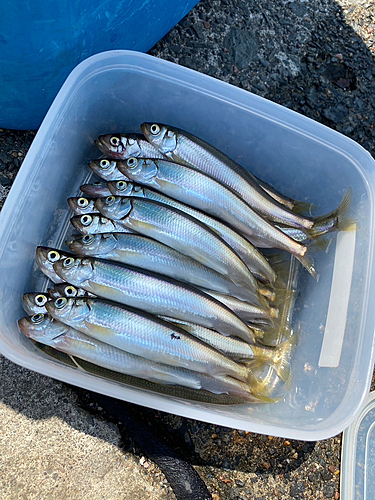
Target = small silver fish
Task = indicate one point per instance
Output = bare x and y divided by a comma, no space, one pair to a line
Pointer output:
147,291
278,358
140,251
34,303
95,223
125,145
43,329
244,310
81,205
143,335
206,194
67,290
106,170
45,258
95,190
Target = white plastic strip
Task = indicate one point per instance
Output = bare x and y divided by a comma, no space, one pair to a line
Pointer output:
338,303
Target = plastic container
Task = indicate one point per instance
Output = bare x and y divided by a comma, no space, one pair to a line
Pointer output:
357,478
117,91
41,42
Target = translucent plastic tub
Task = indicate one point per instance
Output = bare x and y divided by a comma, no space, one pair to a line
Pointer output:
117,91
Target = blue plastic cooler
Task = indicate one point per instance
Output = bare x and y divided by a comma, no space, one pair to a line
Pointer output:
41,42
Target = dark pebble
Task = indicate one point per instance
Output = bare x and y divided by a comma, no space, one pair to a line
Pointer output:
329,490
239,483
299,9
297,489
5,181
4,157
188,62
175,49
325,475
242,46
336,114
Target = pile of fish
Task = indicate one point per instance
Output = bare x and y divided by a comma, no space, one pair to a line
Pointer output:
166,283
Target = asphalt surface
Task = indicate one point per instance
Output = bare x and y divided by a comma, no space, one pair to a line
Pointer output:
315,57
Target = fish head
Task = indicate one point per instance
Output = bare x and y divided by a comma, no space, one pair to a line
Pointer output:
42,328
140,170
106,169
119,145
93,244
95,189
69,310
160,136
81,205
66,290
114,207
92,224
121,188
34,303
110,145
74,270
46,257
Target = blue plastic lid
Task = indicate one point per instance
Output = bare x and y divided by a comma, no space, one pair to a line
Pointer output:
358,456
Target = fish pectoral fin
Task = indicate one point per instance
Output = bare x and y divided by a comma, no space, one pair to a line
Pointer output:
76,363
303,208
307,261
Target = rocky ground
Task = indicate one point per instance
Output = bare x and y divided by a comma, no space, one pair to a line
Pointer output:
315,57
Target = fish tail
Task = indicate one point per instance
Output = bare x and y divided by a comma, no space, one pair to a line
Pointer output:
264,385
307,260
337,220
266,292
278,358
274,312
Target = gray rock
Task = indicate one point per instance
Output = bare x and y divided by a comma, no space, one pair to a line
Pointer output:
336,114
242,46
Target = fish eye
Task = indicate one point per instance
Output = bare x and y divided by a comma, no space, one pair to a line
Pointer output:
104,163
37,318
53,256
68,262
70,291
61,302
132,162
121,185
110,200
87,239
82,202
86,220
115,141
154,129
40,300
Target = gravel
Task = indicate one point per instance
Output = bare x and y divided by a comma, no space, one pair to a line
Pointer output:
317,58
